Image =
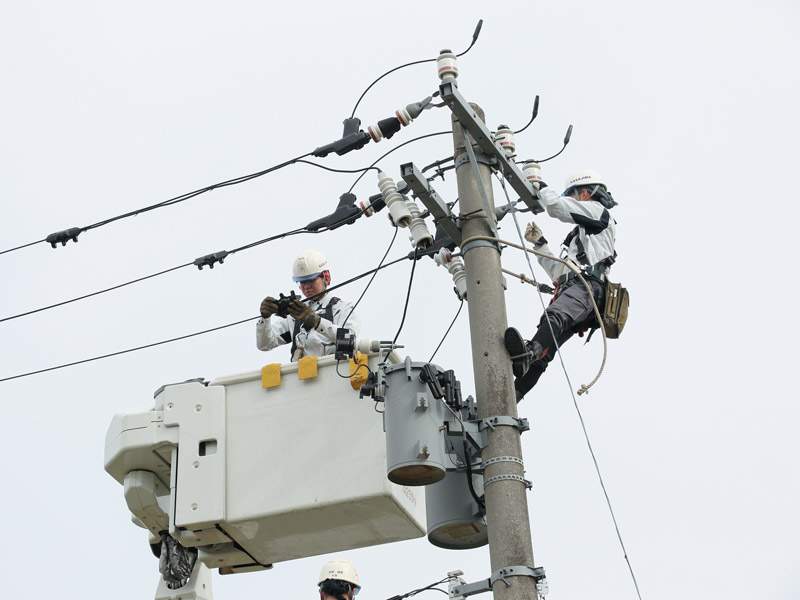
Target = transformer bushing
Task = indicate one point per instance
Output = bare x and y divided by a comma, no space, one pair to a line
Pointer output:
415,452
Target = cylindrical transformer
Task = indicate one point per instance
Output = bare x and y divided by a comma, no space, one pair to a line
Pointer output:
454,519
414,421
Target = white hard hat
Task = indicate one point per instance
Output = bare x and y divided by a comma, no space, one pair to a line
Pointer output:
586,177
341,570
309,264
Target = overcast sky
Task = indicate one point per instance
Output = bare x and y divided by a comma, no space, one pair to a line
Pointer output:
688,109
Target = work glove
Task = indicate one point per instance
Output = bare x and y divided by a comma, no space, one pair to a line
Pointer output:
269,306
534,235
302,312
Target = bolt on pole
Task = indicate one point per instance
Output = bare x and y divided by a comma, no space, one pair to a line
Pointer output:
506,500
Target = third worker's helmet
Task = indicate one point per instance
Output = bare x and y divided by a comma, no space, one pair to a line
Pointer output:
340,570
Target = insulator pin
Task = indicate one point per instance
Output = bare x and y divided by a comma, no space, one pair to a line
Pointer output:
505,137
533,173
446,63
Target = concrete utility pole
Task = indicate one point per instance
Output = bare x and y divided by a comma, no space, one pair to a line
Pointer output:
506,501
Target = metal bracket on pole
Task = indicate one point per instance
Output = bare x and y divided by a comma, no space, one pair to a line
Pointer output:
492,422
485,585
481,134
507,477
481,158
498,459
477,244
442,214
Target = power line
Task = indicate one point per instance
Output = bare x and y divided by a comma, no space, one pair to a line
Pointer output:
422,137
137,280
211,257
80,362
475,35
446,333
408,295
64,236
183,337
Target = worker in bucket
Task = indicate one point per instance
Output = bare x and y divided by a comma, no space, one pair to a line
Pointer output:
338,580
585,203
310,326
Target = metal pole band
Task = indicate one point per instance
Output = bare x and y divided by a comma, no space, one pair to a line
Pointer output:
498,459
480,157
476,244
518,571
497,478
492,422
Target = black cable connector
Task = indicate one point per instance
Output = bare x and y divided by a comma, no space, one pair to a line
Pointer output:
346,213
63,237
209,260
353,138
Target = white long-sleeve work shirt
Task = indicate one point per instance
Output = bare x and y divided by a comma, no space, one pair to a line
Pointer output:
320,341
596,231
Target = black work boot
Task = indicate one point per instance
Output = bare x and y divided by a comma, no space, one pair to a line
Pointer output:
517,348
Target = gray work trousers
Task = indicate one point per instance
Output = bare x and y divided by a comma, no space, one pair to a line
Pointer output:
570,311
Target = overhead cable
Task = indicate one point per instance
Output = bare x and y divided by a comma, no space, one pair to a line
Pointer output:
458,312
183,337
422,137
408,295
62,237
416,62
208,260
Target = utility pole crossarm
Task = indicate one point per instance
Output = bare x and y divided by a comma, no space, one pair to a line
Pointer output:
483,137
432,201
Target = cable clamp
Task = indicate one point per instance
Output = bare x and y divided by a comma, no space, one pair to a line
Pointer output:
485,585
210,260
492,422
497,478
62,237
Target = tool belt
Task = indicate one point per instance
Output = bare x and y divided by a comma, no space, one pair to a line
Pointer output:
615,311
617,301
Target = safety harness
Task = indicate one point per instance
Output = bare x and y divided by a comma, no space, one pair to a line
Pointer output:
327,314
588,270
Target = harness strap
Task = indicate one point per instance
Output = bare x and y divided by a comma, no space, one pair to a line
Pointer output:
327,314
